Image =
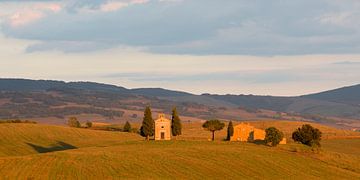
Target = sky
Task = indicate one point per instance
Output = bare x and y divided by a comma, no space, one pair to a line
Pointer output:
263,47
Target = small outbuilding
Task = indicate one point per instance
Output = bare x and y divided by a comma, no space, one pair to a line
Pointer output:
162,128
246,132
283,141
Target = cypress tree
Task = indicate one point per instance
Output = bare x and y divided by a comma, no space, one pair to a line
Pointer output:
230,131
175,123
127,127
147,128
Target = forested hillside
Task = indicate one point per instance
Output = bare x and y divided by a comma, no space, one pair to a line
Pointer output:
22,98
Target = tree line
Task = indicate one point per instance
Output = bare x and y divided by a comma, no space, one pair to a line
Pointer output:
18,121
73,122
306,134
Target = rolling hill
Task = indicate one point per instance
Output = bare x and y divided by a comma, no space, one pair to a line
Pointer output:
347,95
32,151
22,98
24,139
24,85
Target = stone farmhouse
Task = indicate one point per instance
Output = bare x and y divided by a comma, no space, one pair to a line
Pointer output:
162,128
247,133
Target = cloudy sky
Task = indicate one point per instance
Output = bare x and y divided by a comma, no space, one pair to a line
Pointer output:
266,47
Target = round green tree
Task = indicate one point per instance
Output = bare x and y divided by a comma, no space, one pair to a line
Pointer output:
73,122
230,131
273,136
147,127
307,135
89,124
212,126
175,123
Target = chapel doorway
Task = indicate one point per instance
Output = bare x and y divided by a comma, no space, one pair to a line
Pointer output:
162,135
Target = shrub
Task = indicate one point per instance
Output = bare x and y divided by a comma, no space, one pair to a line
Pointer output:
273,136
18,121
89,124
73,122
127,127
307,135
135,130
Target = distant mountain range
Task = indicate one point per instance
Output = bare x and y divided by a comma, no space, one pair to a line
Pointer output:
343,102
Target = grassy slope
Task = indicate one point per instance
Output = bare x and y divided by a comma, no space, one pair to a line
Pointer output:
182,159
108,155
22,139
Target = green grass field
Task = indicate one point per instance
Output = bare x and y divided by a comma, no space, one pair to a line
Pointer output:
30,151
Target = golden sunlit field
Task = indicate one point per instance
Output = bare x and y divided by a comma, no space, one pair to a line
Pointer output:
32,151
179,89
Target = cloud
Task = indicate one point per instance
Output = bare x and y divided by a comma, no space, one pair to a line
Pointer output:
29,14
116,5
113,6
346,63
249,77
94,6
24,1
51,7
68,46
22,18
200,27
277,75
